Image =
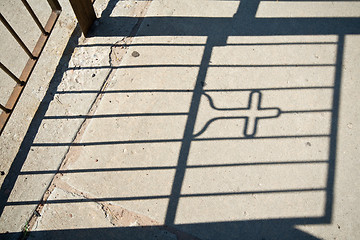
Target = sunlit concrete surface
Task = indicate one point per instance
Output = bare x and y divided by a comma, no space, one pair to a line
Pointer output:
196,120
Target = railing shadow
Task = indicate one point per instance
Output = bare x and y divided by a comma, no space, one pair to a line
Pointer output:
217,31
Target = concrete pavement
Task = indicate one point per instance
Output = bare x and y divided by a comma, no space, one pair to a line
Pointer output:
202,120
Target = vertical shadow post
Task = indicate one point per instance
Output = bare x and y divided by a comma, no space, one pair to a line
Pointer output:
189,131
85,14
216,39
334,129
187,138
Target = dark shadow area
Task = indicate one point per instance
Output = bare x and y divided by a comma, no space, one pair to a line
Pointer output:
217,30
252,230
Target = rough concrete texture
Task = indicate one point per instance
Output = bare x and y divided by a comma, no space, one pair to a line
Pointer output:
39,98
89,215
199,120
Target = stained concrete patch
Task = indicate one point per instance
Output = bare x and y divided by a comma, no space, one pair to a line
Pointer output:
69,215
86,219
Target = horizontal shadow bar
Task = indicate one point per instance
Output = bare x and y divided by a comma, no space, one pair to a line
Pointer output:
189,91
118,115
271,228
160,114
173,140
169,167
203,44
239,25
165,196
79,68
265,228
307,111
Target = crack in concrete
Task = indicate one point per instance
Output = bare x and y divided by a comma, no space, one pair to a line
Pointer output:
117,51
116,215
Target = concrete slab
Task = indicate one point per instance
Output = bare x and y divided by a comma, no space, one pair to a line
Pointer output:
36,120
215,122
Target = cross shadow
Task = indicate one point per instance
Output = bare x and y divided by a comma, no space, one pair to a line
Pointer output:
217,31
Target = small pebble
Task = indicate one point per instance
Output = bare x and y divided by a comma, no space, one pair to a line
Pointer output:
135,54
